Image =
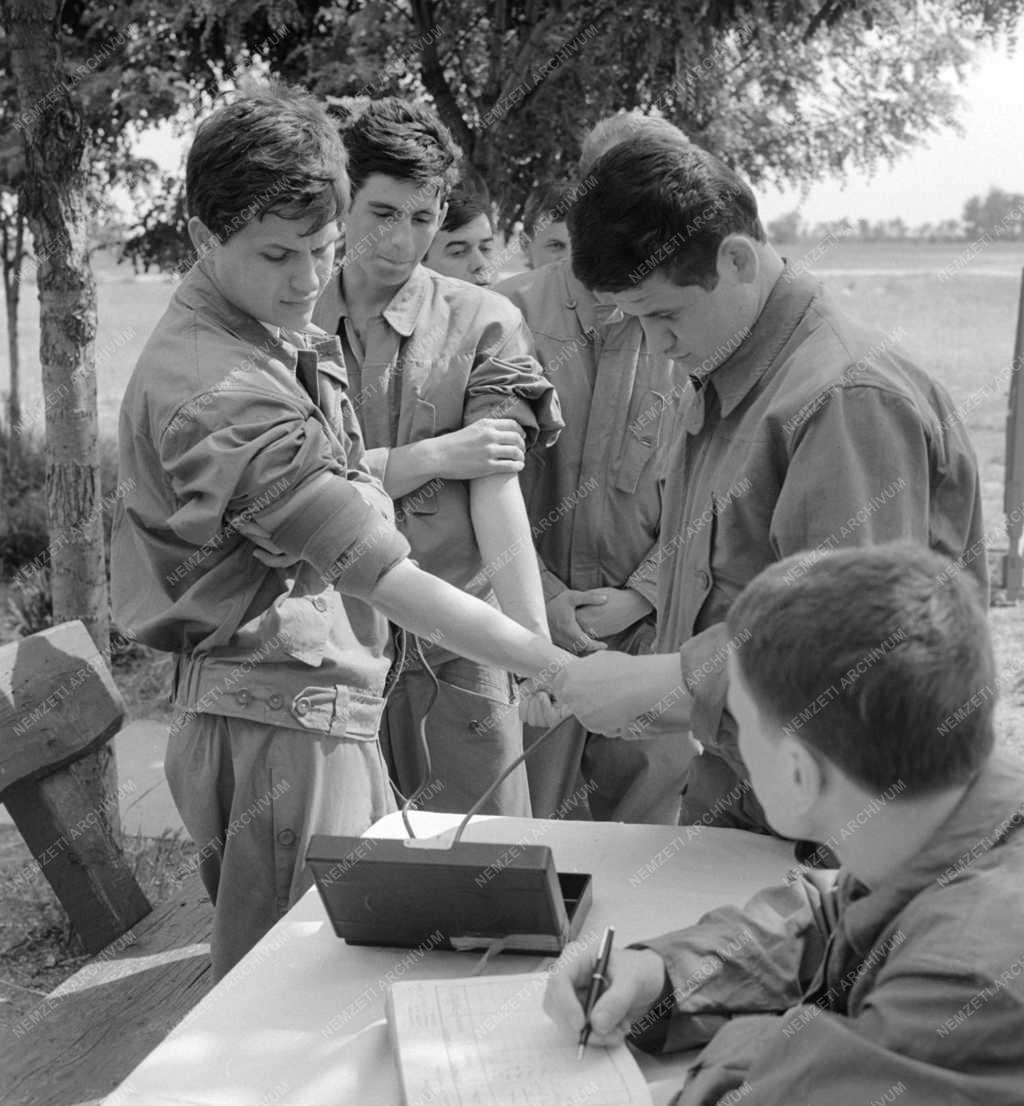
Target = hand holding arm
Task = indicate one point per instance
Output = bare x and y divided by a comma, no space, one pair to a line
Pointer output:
609,690
483,448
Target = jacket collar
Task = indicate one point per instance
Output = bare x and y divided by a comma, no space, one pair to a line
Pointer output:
990,811
201,292
403,310
787,303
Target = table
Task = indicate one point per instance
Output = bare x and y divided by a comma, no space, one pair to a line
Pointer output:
300,1020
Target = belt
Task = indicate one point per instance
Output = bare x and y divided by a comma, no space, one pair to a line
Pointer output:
267,693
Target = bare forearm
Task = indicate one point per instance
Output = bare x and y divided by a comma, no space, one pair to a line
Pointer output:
432,608
506,547
410,467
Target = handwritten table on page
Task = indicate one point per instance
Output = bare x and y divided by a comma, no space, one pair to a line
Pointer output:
486,1041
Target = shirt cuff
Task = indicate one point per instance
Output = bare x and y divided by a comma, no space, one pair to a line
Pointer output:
650,1033
644,585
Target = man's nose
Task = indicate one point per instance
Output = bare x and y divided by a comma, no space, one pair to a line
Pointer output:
400,236
659,337
304,275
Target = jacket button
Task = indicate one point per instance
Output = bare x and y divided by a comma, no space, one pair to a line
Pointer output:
704,578
286,837
276,701
243,697
320,603
302,706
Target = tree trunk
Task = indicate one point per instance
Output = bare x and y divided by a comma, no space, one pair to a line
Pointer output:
54,199
12,298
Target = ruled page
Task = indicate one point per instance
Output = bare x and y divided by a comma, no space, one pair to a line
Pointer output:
486,1041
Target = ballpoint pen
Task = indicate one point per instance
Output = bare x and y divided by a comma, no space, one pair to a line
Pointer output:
598,983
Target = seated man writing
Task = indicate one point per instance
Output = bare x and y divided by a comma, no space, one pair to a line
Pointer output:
906,978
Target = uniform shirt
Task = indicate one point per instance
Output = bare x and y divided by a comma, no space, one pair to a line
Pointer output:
594,498
816,433
913,989
231,439
442,355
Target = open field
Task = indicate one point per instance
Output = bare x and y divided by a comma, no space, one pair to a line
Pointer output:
953,307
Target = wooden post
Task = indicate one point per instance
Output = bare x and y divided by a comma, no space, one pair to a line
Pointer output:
58,705
1013,501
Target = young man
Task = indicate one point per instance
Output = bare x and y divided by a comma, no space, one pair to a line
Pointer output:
600,484
799,429
545,236
903,981
254,543
464,245
449,399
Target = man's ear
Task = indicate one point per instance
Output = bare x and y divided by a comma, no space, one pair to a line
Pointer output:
203,239
738,259
525,242
807,776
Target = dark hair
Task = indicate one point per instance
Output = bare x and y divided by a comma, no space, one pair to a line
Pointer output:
402,140
655,205
624,125
464,205
272,151
879,659
548,203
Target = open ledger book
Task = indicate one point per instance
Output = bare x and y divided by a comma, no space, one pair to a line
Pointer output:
486,1041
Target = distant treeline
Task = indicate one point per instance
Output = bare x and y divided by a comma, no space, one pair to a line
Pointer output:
997,216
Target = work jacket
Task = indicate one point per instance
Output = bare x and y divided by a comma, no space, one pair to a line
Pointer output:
233,440
816,433
594,497
910,992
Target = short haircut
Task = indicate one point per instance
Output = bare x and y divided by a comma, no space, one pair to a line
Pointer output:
651,205
401,140
618,128
272,151
548,203
464,205
879,659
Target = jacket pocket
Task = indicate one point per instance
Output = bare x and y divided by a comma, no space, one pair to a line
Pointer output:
641,442
303,624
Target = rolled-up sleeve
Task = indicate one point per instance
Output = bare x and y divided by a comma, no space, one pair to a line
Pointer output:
261,461
507,383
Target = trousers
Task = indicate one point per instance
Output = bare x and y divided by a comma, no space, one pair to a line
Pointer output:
473,731
251,795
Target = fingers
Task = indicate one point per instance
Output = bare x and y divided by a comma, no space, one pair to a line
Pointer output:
561,1001
565,994
506,426
590,597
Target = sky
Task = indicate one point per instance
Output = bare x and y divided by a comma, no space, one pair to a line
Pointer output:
929,184
932,182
